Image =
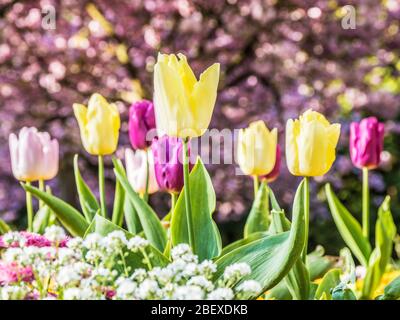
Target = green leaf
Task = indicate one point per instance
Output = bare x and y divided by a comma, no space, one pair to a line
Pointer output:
349,228
274,202
41,220
4,227
103,227
343,292
297,280
329,281
70,218
131,217
385,231
206,235
318,264
88,201
152,226
392,290
270,257
118,209
259,217
252,237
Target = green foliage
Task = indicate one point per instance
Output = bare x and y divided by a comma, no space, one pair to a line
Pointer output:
259,216
385,231
152,227
71,218
271,257
206,235
349,228
88,201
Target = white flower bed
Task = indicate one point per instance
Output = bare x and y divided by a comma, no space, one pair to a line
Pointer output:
56,267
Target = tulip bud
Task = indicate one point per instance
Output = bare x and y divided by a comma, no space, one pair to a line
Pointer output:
256,153
273,175
34,156
136,169
167,152
183,105
310,144
366,142
99,124
141,121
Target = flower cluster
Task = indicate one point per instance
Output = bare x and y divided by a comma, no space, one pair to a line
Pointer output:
55,267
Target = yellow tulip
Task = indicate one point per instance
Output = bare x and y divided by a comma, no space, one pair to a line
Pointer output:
99,125
257,149
310,144
183,105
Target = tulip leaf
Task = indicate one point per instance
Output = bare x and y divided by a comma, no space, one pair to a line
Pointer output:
252,237
272,256
298,279
70,218
206,235
259,218
318,264
385,231
330,280
131,217
349,228
274,202
392,290
4,227
41,220
151,224
88,201
118,209
103,227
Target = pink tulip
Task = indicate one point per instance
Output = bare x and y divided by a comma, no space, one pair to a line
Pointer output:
34,156
141,121
273,175
366,142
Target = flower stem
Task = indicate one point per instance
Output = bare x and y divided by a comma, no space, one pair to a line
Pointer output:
146,192
255,184
174,198
41,188
103,210
188,204
306,200
29,209
365,204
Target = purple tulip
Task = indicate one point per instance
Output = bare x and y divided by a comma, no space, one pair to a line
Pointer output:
273,175
366,142
167,152
141,121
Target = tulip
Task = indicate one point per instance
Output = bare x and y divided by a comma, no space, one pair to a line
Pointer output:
183,105
366,145
136,168
273,175
257,149
167,152
310,151
34,156
99,125
366,142
310,144
141,121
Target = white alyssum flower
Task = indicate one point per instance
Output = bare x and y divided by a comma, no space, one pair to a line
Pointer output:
137,243
221,294
188,292
54,233
126,289
236,271
249,287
